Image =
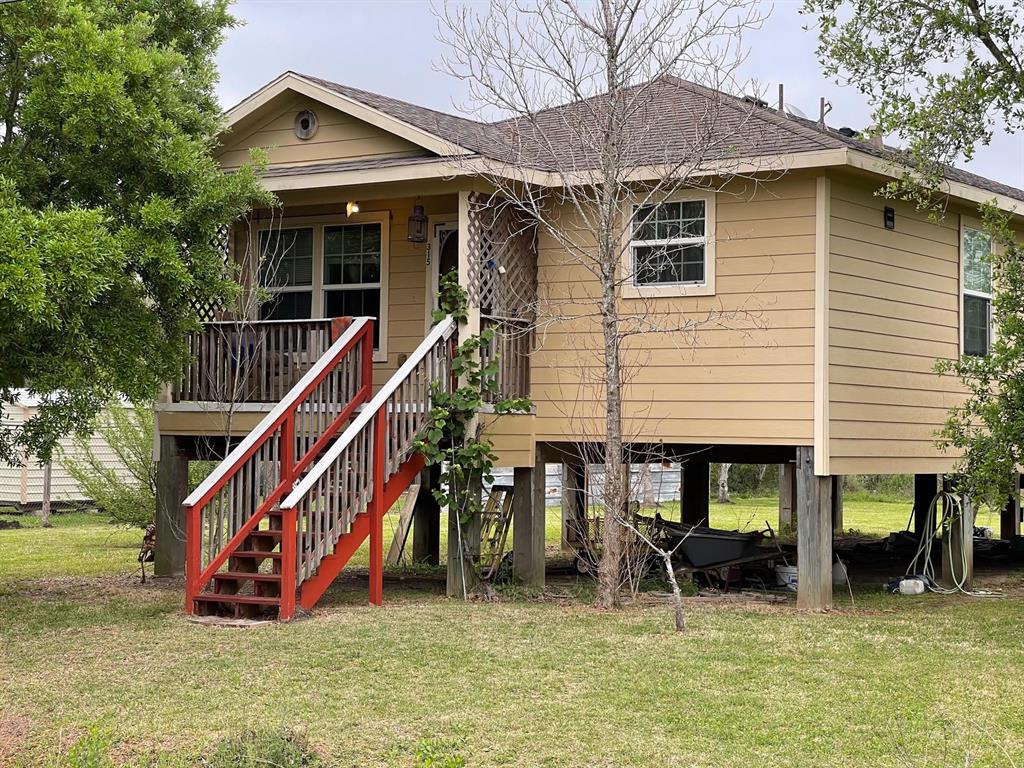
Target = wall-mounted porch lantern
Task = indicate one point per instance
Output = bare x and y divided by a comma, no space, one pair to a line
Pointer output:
351,207
417,225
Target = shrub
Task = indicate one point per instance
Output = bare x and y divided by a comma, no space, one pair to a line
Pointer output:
126,493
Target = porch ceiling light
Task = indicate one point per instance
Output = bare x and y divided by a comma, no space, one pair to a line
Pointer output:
417,232
351,207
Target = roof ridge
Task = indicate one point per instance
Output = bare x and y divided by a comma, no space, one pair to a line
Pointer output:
340,87
766,113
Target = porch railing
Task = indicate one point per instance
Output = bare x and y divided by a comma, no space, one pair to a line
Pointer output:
353,473
511,346
252,361
230,503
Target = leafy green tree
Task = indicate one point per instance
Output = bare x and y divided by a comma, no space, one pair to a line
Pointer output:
988,428
941,75
112,206
938,74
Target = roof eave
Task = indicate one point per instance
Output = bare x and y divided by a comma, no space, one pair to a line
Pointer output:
893,170
442,168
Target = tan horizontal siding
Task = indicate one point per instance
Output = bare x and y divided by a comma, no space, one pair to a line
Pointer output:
745,378
338,137
513,439
894,309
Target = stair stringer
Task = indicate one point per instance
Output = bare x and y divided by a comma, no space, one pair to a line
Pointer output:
313,588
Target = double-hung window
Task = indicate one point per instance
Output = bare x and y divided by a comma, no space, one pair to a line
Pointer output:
320,267
976,252
352,269
286,271
670,247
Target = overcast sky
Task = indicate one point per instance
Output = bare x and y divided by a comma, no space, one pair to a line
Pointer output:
390,46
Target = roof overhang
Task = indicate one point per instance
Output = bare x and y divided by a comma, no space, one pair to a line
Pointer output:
290,81
865,162
312,177
779,164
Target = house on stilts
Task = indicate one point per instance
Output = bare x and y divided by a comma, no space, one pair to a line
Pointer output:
317,393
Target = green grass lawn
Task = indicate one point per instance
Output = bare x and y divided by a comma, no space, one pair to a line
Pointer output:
78,544
545,682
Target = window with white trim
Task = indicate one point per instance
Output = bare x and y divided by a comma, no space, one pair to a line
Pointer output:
352,269
976,251
287,273
323,267
669,245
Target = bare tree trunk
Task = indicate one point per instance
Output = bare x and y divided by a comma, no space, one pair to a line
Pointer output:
723,484
609,576
677,595
609,570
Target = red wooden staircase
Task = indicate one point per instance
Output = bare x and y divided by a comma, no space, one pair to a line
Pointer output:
277,520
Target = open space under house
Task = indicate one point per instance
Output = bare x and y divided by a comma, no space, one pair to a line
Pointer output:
854,298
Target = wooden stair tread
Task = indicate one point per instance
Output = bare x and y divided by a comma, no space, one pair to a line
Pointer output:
218,597
256,553
247,575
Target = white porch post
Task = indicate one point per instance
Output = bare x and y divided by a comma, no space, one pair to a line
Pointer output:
467,265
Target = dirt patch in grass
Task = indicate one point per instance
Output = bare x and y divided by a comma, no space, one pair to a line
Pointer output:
14,734
95,589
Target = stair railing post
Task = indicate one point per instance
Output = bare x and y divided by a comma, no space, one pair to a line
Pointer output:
367,364
338,326
192,555
289,522
377,508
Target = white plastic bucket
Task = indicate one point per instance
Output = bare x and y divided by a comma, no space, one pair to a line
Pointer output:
786,574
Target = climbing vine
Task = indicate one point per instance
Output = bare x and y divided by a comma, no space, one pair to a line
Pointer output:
454,438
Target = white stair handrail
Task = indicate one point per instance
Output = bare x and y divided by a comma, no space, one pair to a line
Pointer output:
286,403
443,330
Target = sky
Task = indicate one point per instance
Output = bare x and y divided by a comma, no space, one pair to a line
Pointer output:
391,47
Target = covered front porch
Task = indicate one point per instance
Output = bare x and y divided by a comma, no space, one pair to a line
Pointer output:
311,271
340,252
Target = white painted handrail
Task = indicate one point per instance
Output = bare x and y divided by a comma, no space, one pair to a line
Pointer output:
287,403
443,330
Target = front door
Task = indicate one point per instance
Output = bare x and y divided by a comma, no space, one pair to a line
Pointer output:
444,256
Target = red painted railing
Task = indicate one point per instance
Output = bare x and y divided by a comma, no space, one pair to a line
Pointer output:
365,470
229,504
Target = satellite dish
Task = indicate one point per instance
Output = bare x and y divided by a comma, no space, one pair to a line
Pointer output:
792,109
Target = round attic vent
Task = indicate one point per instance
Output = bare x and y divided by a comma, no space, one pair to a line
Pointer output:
305,124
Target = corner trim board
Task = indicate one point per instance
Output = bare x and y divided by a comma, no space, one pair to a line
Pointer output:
822,246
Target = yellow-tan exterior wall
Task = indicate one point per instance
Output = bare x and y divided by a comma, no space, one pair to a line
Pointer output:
338,137
745,377
893,310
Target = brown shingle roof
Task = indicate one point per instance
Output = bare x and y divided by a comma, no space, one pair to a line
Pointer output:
901,156
469,134
673,121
